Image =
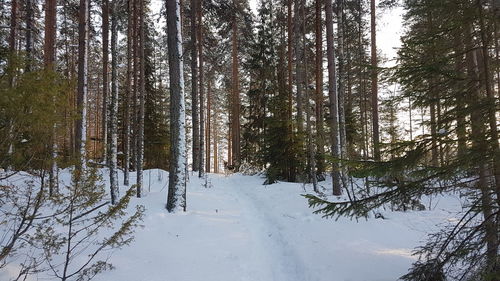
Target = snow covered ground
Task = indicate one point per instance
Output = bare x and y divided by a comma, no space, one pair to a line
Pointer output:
240,230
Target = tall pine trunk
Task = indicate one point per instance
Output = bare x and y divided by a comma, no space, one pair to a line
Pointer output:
176,200
29,34
374,82
320,138
333,98
235,105
81,98
200,84
209,125
126,102
49,61
195,113
142,89
113,109
299,62
105,75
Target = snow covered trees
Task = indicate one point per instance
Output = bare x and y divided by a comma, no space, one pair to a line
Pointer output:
176,200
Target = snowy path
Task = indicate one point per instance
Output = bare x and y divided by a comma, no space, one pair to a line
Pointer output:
240,230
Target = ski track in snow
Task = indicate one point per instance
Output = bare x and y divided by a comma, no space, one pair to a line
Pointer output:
277,251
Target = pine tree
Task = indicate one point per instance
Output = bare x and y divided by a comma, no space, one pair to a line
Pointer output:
176,200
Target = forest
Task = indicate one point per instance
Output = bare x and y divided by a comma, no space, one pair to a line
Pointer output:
117,116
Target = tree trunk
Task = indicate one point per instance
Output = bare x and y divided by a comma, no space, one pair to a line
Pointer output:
236,157
126,103
299,63
319,89
142,90
202,96
135,88
105,83
333,99
341,79
113,109
176,200
49,61
81,99
492,117
195,113
374,78
209,123
29,34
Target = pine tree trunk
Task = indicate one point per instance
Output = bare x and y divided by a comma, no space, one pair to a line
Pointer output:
299,63
320,138
29,34
13,27
136,72
105,75
492,116
142,90
209,124
235,120
176,200
126,103
333,99
480,144
202,96
374,85
195,113
81,99
341,79
49,61
12,47
341,88
311,161
113,109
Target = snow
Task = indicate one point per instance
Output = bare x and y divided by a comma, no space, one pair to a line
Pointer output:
237,229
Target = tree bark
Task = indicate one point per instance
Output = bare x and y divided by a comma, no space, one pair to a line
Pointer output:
49,61
236,103
176,200
142,91
319,89
202,96
299,63
333,99
81,99
195,113
113,109
105,75
209,125
29,34
126,103
374,83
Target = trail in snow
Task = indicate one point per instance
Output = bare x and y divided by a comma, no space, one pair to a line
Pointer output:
278,253
240,230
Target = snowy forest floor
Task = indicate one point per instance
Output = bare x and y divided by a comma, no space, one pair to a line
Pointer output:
237,229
